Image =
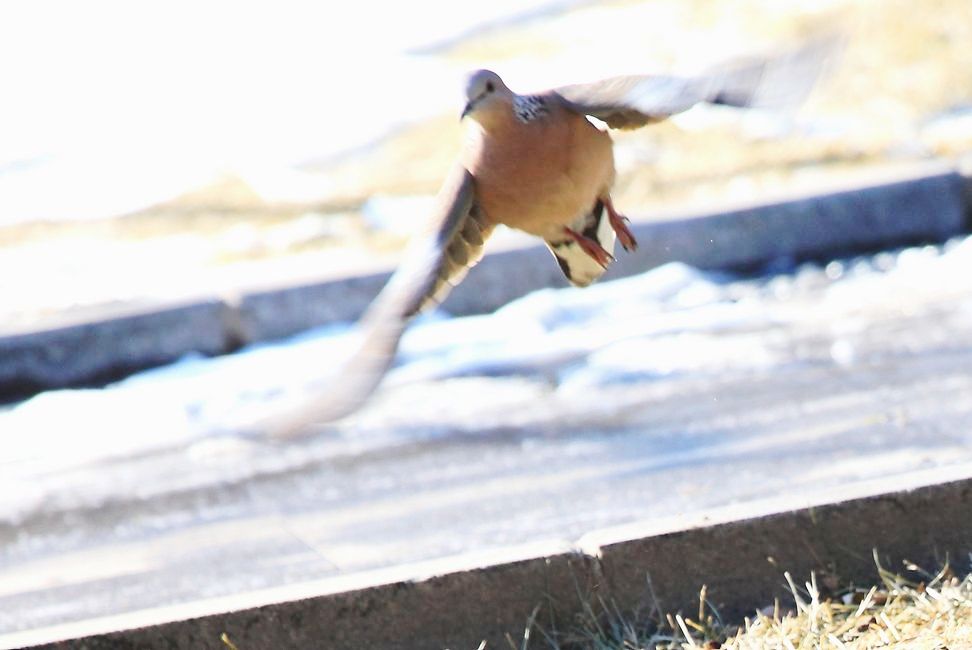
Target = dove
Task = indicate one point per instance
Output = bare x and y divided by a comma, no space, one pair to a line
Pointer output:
538,163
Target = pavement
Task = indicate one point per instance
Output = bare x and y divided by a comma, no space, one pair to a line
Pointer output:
852,372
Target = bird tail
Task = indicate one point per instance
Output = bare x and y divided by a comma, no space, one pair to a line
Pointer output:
580,268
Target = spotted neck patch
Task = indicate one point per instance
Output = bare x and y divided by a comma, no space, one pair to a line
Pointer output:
530,107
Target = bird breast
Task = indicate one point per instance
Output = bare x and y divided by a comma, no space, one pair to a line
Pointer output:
538,175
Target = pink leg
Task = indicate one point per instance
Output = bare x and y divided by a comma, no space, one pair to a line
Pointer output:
591,247
619,224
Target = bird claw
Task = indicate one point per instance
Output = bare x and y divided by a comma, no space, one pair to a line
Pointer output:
619,223
591,247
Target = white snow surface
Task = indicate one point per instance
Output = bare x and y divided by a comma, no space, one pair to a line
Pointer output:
183,426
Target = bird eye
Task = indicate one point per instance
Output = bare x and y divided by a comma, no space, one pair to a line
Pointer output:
489,86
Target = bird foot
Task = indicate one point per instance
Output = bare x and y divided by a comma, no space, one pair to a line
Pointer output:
619,223
591,247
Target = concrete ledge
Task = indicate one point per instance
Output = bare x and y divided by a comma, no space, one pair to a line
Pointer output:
964,168
926,207
98,350
929,205
276,313
740,553
742,561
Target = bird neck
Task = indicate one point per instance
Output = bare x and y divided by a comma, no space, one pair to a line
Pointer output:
498,115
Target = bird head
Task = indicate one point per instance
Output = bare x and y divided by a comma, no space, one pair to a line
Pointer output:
484,89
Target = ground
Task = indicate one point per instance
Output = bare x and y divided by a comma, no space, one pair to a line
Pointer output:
636,399
632,400
921,610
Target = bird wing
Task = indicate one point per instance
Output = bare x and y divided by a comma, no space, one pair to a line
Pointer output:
436,261
778,81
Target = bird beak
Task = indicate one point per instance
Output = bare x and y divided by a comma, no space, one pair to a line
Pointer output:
466,110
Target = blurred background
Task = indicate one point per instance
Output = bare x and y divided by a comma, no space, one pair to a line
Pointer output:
190,147
152,152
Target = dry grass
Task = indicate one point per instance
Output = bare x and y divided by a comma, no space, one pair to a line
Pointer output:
932,611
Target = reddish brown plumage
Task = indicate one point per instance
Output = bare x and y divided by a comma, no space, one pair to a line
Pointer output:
540,175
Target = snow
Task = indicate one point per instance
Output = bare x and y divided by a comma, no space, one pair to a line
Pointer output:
79,447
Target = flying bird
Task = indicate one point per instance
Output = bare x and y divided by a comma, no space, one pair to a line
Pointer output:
536,163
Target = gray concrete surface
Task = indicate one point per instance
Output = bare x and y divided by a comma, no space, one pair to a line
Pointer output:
827,389
739,554
928,205
134,337
925,520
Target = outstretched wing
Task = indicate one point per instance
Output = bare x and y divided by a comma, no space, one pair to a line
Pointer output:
779,81
436,261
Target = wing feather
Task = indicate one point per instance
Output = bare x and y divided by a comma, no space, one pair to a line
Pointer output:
435,262
779,81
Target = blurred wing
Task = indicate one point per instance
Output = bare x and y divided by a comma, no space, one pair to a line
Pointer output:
439,258
435,262
778,81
